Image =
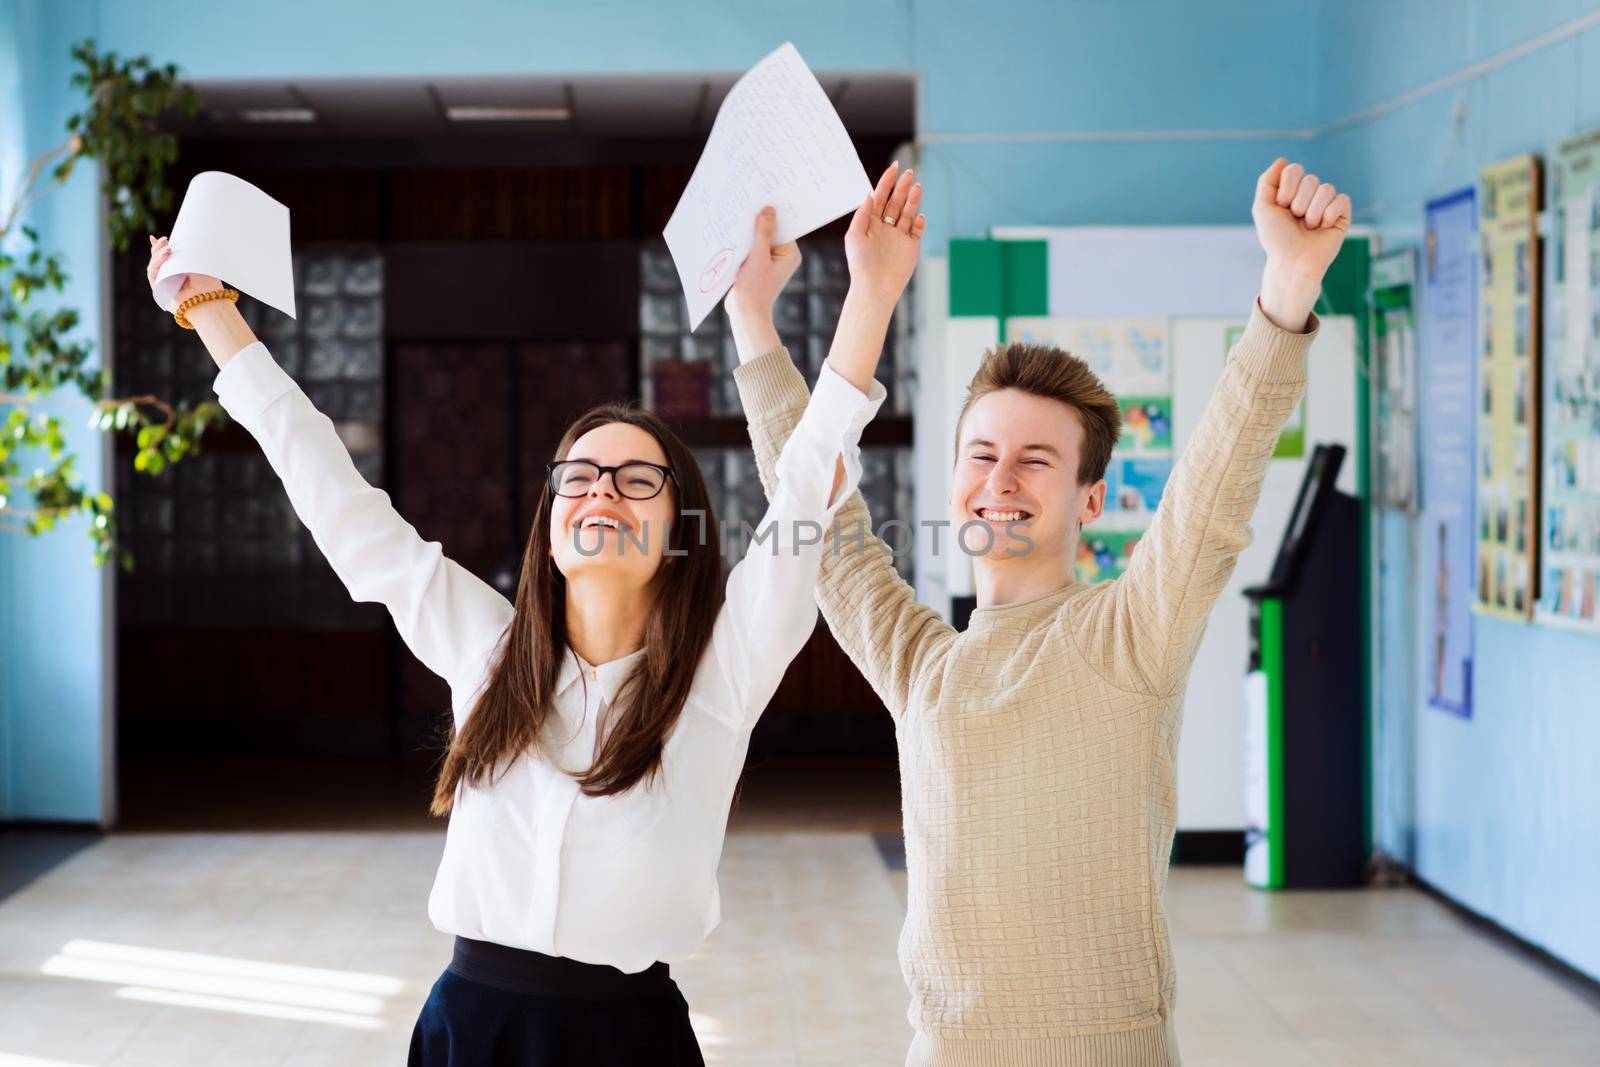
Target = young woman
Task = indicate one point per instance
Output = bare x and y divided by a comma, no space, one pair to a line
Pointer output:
601,721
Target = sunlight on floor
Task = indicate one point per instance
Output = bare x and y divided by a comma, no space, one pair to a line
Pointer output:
250,1007
801,972
220,983
707,1030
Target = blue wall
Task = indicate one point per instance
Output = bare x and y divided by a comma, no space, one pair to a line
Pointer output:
1012,69
53,600
1501,812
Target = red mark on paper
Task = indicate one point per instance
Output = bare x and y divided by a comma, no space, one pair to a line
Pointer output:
714,269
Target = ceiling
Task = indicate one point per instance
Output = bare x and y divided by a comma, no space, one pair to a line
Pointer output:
871,105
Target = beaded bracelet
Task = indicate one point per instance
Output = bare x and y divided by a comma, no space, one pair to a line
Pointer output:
200,298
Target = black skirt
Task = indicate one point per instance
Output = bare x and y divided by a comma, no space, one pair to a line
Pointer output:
496,1006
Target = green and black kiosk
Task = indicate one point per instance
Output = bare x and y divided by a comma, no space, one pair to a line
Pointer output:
1303,720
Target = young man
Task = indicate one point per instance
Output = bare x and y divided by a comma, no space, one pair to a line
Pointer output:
1037,748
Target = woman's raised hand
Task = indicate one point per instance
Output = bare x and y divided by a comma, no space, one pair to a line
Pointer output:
218,322
192,283
885,236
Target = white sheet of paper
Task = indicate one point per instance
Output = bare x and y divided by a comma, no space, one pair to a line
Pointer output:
229,229
776,140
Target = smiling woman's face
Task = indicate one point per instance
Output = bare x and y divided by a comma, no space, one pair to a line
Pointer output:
603,528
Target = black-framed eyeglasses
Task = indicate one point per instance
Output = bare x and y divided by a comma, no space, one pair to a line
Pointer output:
636,481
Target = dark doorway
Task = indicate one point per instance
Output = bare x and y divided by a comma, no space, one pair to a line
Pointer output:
465,288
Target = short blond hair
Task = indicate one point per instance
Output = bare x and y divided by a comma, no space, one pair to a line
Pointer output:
1055,374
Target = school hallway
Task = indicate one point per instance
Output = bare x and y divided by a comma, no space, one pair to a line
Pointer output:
1201,464
296,933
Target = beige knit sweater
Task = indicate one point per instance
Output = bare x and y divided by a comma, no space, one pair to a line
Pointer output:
1037,748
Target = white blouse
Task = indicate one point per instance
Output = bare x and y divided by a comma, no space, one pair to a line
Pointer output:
530,861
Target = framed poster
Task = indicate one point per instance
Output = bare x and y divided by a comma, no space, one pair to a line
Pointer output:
1132,357
1394,378
1447,549
1569,534
1508,388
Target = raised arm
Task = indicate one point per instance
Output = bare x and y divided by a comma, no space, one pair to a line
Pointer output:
1156,611
873,613
771,610
448,617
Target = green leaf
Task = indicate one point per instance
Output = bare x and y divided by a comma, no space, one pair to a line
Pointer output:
118,125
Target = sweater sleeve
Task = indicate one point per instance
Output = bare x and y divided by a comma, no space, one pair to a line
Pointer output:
771,610
447,616
1143,629
873,613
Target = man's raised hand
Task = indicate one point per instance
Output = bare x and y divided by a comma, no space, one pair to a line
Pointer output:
764,272
1301,222
1300,219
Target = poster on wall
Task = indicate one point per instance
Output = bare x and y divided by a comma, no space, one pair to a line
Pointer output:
1447,344
1508,388
1132,357
1569,534
1393,348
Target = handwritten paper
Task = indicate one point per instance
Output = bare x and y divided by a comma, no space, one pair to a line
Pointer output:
776,140
229,229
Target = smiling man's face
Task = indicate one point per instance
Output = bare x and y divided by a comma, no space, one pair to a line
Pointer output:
1017,463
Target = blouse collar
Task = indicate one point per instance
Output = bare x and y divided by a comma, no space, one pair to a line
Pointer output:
608,676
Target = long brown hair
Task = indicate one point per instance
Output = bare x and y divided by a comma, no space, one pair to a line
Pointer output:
686,594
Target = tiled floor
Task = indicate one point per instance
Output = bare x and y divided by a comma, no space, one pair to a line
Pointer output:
802,970
303,939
